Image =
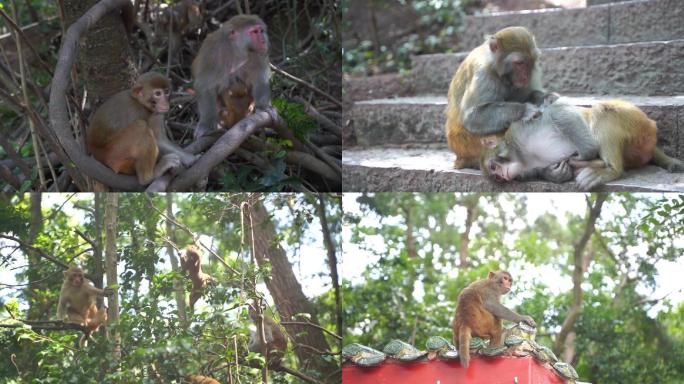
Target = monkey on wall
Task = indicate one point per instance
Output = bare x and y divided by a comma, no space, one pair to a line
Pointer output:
597,144
276,342
182,18
490,90
479,313
127,132
237,50
191,263
77,302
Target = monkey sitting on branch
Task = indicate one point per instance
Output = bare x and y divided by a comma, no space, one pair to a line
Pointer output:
479,313
231,73
274,335
127,132
191,263
596,144
77,302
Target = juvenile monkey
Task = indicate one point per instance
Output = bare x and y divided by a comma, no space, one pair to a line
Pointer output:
599,142
236,103
490,90
77,302
239,49
479,313
192,264
127,133
276,342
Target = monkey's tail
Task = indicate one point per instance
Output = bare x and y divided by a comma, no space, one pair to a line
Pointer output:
464,346
84,340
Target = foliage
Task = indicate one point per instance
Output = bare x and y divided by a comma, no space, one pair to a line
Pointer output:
628,330
434,30
156,345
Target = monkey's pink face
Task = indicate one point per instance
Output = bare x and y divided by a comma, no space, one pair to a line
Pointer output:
75,279
258,38
502,169
506,282
160,100
520,69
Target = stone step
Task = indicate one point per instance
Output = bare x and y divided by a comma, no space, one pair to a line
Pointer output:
429,169
628,22
652,68
421,120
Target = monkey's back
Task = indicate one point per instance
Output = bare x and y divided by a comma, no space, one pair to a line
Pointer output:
471,312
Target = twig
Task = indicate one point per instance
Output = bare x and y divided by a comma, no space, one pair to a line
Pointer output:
325,123
304,83
224,147
312,325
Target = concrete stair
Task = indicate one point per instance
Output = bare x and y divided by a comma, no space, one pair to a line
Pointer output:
632,50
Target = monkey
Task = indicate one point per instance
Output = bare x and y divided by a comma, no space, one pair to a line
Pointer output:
479,313
127,132
239,48
77,302
490,90
598,143
236,103
199,379
276,342
184,18
191,263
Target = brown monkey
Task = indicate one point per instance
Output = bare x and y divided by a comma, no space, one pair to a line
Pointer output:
184,18
199,379
489,90
276,342
191,263
236,103
77,302
239,49
127,132
479,313
598,142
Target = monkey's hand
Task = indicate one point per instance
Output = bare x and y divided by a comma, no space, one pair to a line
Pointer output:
558,173
528,320
531,113
189,159
109,291
550,98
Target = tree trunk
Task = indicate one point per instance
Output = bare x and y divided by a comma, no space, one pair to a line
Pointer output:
37,310
470,204
332,263
98,267
111,212
177,283
105,59
578,272
288,296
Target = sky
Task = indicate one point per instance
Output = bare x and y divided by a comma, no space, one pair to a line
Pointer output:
355,260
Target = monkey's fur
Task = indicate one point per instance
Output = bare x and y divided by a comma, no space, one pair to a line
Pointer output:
479,313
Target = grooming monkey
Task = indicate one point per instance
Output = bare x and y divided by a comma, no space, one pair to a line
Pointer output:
479,313
490,90
599,143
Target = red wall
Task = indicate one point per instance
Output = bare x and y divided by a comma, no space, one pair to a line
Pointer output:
482,370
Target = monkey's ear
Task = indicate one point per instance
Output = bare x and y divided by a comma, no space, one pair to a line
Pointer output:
489,141
136,91
493,44
491,275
